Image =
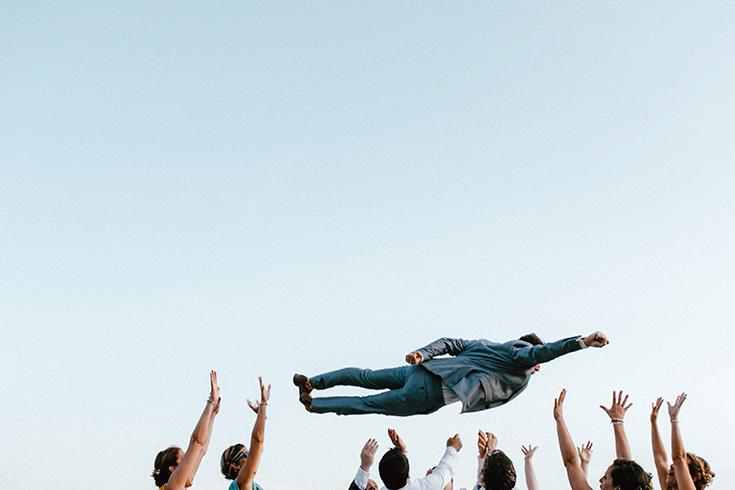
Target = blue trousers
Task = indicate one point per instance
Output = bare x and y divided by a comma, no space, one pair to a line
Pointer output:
412,390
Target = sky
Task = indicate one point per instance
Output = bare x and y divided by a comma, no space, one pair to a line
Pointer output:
265,188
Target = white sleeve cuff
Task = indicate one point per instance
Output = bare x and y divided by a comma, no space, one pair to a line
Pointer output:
581,343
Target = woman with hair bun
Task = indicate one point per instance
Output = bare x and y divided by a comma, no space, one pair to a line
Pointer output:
173,468
237,463
688,471
623,474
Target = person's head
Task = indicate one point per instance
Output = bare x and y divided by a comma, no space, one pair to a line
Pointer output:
232,460
165,464
498,472
532,339
625,474
699,470
393,469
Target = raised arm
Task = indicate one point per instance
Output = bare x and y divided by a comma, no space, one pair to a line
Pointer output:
681,468
183,475
659,451
367,456
247,472
531,482
486,443
585,456
396,440
575,474
616,412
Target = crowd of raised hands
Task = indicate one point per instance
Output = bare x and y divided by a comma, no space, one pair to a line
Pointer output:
174,468
495,470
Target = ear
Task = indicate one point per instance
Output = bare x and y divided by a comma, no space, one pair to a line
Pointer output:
171,469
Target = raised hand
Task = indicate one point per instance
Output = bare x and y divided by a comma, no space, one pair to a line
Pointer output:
486,442
618,408
265,393
528,452
396,440
654,409
674,409
214,393
414,358
367,455
454,442
585,452
558,402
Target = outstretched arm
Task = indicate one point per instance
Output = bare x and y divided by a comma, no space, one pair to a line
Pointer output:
184,473
527,355
585,456
616,412
575,474
247,472
659,451
683,478
531,482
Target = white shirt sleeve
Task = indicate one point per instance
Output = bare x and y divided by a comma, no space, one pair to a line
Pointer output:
442,474
361,478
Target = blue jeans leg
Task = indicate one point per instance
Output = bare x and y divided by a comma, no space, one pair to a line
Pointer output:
411,390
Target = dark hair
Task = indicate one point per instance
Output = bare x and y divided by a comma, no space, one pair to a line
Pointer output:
393,469
228,458
699,469
498,472
164,460
629,475
532,339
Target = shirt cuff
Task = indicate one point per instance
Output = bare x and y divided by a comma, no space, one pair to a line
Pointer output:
361,478
581,343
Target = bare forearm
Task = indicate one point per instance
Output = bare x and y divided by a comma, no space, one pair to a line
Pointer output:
258,434
566,445
203,429
531,481
683,479
622,448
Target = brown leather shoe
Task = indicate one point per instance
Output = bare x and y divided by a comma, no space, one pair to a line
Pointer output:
303,383
305,399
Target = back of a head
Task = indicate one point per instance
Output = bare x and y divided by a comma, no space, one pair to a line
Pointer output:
393,469
630,476
498,472
228,457
700,471
532,339
164,461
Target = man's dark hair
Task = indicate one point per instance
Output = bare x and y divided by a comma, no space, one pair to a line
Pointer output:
393,469
532,339
628,475
498,472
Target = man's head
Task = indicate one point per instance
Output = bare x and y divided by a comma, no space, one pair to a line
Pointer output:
393,469
498,472
532,339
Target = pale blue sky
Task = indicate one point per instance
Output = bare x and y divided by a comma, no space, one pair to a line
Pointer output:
265,188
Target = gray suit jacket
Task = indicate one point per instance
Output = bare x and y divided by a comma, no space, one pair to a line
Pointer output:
486,374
